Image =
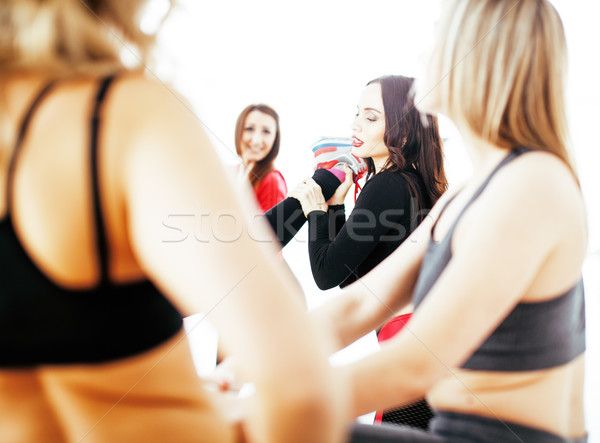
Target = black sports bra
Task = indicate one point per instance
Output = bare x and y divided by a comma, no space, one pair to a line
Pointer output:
43,323
533,336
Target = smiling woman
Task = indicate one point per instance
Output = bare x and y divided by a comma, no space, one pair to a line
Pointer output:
257,140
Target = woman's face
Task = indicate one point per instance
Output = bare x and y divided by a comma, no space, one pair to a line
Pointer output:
258,136
368,128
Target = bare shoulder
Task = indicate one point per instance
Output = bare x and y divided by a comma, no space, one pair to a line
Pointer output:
450,193
148,99
541,177
148,113
536,191
541,165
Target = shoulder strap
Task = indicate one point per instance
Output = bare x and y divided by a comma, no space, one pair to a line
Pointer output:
514,153
101,241
20,137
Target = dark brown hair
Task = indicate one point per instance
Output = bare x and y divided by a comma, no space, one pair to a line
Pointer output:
413,142
263,167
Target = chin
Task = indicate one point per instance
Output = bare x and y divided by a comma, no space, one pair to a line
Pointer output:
356,152
257,158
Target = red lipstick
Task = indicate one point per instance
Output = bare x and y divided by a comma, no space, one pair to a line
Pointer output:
356,142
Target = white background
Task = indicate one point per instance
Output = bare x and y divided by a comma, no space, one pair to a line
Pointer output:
310,60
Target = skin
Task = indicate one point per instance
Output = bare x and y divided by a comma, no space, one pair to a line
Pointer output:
257,138
369,126
152,150
547,257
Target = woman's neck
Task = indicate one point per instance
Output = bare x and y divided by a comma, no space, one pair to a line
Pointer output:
379,163
483,154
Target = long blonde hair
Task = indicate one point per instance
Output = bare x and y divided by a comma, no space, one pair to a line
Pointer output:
70,36
59,38
503,66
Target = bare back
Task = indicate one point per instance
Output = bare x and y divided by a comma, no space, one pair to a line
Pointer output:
52,216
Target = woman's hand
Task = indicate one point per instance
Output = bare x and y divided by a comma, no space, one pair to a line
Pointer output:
225,377
342,190
310,196
245,170
233,408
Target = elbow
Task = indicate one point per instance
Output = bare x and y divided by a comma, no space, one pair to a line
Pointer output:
422,376
324,278
412,371
315,405
324,283
306,409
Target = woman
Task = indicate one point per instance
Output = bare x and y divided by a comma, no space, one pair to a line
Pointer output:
405,178
497,338
403,152
257,139
92,298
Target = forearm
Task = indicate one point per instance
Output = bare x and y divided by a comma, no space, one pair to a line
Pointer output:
286,218
307,415
298,397
378,383
366,304
343,320
349,316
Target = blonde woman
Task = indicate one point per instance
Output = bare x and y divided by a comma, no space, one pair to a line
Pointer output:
96,269
497,338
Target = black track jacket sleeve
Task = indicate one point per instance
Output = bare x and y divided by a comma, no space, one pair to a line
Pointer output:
286,218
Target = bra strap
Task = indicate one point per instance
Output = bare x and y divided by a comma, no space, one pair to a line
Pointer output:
101,240
514,153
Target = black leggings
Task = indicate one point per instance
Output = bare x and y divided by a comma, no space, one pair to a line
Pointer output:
452,427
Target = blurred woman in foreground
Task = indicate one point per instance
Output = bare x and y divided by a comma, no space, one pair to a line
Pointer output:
97,268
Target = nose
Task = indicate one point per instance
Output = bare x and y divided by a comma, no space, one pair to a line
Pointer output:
257,138
354,126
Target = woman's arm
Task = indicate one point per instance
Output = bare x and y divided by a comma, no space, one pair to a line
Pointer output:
523,240
286,218
336,209
369,302
377,217
189,231
337,219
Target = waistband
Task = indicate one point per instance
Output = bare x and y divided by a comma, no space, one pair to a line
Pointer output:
457,427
